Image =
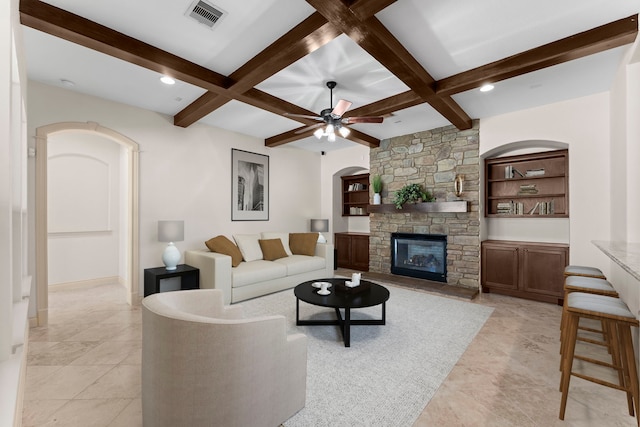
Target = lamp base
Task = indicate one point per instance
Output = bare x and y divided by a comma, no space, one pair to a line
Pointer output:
321,238
171,257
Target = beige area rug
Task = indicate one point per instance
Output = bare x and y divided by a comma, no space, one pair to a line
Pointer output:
390,372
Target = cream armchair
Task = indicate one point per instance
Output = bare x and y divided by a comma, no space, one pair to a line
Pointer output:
204,364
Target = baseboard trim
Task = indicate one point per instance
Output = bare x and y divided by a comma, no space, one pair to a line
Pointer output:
86,283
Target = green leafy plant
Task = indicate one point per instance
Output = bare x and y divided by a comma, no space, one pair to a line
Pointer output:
411,193
376,183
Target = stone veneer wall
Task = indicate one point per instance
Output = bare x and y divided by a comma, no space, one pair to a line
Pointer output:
432,158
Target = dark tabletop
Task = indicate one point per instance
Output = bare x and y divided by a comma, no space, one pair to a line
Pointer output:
375,295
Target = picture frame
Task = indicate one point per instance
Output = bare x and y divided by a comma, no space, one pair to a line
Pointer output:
249,186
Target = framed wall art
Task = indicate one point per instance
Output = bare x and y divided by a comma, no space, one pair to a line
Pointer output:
249,186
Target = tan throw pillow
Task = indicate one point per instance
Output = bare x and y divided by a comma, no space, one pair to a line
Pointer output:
222,245
282,236
272,249
303,243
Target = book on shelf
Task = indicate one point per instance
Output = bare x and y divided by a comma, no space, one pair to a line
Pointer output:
528,189
510,208
534,172
356,187
508,172
534,208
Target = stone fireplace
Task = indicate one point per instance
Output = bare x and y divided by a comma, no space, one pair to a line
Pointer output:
431,158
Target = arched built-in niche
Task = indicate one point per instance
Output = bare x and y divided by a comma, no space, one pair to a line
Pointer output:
339,222
132,246
527,229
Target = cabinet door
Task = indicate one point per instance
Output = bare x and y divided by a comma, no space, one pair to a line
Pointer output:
500,266
543,269
343,250
360,252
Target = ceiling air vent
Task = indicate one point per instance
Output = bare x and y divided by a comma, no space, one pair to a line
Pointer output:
205,13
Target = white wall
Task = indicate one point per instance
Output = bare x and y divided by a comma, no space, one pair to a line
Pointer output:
583,124
625,174
84,207
186,173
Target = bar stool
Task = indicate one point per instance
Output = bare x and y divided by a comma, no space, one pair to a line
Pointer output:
617,320
581,270
589,285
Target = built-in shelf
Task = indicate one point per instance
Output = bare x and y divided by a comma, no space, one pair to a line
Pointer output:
528,185
440,207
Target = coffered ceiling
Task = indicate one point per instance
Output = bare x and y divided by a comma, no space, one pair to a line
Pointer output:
419,63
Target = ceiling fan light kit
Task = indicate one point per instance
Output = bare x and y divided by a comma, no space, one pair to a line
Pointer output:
333,119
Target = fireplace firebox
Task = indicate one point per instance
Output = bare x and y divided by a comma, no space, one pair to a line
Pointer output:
419,255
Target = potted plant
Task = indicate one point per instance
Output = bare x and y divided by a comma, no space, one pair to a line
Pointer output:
412,193
376,183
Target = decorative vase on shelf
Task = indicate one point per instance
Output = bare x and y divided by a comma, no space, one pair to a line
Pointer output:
376,199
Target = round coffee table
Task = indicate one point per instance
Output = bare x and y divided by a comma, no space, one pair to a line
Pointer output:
369,295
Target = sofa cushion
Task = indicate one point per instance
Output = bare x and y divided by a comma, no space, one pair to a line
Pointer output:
249,246
223,245
272,249
282,236
249,273
303,243
297,264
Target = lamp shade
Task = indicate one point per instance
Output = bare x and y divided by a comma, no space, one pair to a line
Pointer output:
170,231
320,225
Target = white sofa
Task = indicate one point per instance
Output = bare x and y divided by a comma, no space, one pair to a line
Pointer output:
204,364
259,277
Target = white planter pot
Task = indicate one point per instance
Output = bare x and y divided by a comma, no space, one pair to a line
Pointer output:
376,199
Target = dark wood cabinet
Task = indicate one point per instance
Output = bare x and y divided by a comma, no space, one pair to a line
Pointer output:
524,269
355,195
352,250
528,185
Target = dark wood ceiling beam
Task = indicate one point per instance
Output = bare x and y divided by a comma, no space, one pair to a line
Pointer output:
599,39
374,37
275,105
290,136
365,9
388,105
304,38
58,22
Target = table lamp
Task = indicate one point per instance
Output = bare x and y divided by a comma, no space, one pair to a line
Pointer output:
321,226
171,231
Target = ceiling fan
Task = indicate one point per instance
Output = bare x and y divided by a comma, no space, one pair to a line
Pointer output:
332,118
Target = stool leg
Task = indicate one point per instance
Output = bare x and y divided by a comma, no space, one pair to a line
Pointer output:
618,358
631,368
567,366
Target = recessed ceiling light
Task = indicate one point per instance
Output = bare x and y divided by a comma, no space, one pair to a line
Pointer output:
167,80
486,88
67,83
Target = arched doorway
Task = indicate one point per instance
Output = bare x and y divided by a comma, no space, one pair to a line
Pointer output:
41,225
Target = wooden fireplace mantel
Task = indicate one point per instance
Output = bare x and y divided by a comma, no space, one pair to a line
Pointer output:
440,207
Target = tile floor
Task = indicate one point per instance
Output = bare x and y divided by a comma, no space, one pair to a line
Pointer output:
84,369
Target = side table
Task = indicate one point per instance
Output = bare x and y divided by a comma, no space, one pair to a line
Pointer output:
189,278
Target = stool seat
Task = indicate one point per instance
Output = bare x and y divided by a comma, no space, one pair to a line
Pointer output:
599,304
581,270
589,284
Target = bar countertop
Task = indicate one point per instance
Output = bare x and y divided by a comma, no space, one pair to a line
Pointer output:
625,254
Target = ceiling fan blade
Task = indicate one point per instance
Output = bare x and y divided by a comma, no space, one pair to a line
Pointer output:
351,120
304,116
341,108
308,128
